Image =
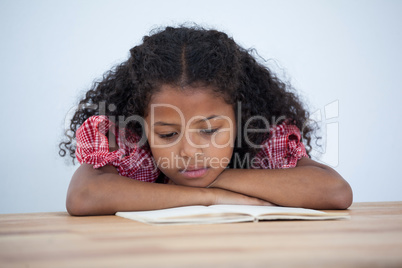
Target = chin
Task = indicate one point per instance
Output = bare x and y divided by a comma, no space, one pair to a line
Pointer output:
194,184
200,183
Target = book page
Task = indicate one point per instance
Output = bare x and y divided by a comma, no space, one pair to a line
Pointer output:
187,214
226,214
276,212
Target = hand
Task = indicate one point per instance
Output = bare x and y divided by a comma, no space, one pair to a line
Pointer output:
225,197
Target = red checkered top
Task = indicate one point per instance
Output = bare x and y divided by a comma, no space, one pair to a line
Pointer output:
282,149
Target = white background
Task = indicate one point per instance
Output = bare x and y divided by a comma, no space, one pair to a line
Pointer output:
343,55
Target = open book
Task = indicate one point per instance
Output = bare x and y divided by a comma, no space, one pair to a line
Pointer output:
227,213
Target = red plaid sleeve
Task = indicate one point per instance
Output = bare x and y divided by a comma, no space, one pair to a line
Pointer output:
130,160
282,149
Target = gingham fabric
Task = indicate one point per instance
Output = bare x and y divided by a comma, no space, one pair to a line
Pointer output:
281,150
130,160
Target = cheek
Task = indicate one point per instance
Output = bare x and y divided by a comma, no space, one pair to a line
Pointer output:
221,147
162,153
164,160
223,139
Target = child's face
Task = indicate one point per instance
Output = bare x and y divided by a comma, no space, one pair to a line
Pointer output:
191,134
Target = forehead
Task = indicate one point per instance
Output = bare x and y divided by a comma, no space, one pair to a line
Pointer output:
189,102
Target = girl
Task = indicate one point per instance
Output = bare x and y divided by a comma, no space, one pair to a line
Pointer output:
191,118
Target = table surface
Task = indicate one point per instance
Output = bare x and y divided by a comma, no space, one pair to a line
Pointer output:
371,238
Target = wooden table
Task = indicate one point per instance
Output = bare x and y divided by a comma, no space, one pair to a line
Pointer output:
371,238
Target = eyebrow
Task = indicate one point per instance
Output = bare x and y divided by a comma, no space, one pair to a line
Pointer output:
161,123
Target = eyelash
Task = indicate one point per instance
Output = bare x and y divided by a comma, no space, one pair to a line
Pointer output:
167,136
203,131
209,131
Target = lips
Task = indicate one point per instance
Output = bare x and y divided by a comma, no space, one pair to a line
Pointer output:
194,172
192,168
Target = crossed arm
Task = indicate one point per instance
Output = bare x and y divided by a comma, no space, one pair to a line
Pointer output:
309,184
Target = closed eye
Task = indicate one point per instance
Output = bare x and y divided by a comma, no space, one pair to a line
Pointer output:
173,134
209,131
168,135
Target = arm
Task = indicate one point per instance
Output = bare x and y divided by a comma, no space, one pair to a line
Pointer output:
309,185
103,191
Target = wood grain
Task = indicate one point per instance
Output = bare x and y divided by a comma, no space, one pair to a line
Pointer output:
371,238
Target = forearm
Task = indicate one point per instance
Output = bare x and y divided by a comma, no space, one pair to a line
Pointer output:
93,192
103,191
303,186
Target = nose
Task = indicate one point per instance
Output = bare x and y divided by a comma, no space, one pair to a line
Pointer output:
189,146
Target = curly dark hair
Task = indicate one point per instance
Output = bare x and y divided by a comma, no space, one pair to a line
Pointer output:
193,56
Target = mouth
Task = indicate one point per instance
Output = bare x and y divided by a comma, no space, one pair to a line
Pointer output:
194,172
